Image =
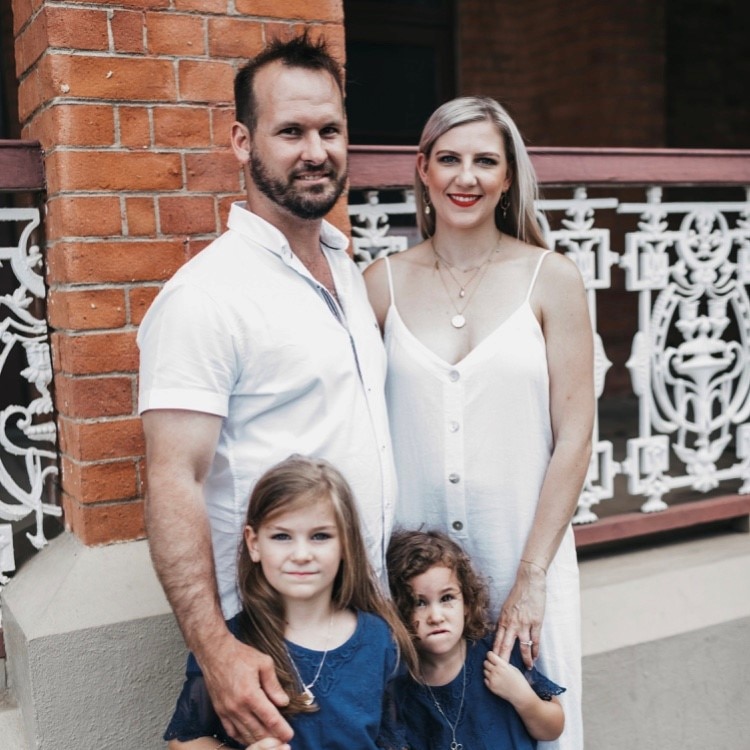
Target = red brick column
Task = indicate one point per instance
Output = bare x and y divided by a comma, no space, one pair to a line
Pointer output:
131,101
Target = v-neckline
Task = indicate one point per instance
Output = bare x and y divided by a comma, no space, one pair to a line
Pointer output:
393,310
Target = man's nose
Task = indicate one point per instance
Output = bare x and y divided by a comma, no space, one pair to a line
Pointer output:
313,151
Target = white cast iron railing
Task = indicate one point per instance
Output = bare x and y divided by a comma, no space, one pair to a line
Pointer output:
28,455
25,429
689,264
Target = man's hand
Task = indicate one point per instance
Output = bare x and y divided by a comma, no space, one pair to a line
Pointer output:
245,692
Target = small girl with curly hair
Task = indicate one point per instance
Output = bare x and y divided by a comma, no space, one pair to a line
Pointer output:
465,696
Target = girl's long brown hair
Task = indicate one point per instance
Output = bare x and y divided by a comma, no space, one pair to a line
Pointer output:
295,483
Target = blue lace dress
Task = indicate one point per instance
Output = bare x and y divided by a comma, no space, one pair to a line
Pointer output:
487,722
351,692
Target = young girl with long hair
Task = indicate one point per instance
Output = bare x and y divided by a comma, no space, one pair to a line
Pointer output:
312,603
463,694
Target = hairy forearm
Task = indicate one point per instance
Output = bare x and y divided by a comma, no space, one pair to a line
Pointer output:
180,543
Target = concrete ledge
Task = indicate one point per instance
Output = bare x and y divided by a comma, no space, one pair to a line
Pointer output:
665,642
95,658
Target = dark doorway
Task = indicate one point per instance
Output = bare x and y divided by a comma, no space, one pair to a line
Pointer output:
400,67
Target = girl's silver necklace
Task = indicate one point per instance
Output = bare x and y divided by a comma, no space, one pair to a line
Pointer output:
454,744
308,697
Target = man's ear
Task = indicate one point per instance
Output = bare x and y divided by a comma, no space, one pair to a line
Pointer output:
241,142
251,542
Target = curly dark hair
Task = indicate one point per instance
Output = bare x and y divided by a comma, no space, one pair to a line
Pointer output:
411,553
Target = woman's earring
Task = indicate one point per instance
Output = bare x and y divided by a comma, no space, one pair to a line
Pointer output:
504,204
427,205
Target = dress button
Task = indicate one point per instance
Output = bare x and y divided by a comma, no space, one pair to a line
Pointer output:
454,375
453,426
454,478
457,525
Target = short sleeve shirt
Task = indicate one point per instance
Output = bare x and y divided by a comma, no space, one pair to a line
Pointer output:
243,331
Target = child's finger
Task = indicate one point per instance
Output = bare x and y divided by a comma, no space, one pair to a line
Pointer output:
269,743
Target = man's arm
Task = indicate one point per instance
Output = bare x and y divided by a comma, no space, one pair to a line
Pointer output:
180,446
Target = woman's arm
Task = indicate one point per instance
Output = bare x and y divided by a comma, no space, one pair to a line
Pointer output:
544,720
569,342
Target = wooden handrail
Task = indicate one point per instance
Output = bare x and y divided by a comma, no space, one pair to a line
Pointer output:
21,166
393,166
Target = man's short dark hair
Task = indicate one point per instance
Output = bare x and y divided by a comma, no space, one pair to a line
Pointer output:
299,52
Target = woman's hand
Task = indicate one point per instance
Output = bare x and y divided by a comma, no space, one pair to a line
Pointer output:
522,614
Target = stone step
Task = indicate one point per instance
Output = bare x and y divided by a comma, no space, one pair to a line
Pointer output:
11,730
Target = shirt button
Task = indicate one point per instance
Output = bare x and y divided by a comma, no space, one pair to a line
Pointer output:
457,525
454,375
454,478
453,426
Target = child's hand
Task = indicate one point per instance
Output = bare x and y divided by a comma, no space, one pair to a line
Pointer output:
503,679
269,743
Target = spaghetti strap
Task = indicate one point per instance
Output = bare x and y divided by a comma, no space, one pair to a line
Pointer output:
536,273
390,280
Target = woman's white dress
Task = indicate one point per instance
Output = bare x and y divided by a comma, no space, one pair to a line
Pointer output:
472,442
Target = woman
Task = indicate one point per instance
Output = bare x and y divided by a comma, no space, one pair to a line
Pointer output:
490,383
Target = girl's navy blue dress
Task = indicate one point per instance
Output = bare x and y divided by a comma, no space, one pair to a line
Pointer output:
487,722
351,693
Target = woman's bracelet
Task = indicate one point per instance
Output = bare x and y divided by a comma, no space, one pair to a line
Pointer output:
536,565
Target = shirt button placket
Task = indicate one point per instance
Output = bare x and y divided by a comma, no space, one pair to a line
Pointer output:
455,486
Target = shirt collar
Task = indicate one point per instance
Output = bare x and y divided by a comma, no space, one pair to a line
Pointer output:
244,221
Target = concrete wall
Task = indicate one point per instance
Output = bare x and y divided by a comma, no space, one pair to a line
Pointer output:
95,658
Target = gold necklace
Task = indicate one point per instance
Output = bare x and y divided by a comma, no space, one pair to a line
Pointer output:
458,320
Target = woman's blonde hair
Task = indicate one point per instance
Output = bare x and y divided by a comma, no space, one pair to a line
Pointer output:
520,220
296,483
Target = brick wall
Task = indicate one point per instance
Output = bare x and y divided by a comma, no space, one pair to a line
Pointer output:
131,101
572,72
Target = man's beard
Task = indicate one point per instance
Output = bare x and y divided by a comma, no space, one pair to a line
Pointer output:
313,202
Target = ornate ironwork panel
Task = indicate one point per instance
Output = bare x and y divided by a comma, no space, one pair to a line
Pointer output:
690,362
27,431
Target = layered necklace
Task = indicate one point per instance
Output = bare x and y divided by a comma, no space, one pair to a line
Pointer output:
455,745
477,272
308,697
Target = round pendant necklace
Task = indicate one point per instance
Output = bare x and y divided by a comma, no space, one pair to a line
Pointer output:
451,725
458,320
308,697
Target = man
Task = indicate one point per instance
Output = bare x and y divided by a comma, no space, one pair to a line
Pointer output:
261,346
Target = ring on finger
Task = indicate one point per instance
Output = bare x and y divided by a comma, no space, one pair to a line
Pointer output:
527,643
